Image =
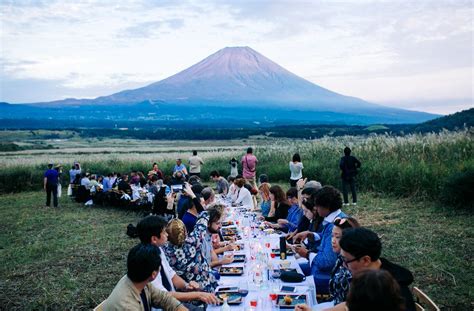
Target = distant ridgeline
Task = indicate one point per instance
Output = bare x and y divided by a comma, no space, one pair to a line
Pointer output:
231,129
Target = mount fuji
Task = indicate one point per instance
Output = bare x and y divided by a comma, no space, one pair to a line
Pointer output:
237,84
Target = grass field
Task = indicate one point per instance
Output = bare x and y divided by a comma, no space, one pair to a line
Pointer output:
70,258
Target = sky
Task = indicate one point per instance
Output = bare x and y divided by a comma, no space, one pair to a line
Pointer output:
414,55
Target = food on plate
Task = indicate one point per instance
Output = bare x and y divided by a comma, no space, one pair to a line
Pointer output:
288,300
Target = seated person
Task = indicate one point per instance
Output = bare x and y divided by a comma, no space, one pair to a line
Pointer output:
295,213
244,197
266,203
207,194
222,186
371,290
134,291
209,223
328,203
85,181
305,222
181,168
124,186
361,249
191,214
185,255
340,276
280,206
152,230
233,190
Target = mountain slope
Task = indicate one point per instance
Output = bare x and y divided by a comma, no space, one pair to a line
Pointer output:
236,78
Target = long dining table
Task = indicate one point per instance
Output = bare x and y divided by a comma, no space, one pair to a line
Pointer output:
265,290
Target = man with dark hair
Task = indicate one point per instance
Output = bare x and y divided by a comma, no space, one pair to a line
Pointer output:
209,223
349,166
152,230
50,184
195,163
133,291
222,186
361,249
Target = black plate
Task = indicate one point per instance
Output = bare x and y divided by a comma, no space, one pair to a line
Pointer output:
295,300
239,258
231,271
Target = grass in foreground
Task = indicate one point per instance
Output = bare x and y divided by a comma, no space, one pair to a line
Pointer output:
70,258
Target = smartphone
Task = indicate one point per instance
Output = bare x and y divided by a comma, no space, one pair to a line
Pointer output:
177,188
228,289
289,289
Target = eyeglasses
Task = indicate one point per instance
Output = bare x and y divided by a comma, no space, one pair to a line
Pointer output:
346,262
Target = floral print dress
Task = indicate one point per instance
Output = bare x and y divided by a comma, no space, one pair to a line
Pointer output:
188,260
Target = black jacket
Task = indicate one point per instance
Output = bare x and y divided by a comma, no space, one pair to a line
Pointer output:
349,166
404,278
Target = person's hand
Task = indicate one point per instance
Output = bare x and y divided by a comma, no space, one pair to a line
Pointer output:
208,298
300,183
302,307
229,247
291,235
187,190
227,259
170,197
193,285
300,236
301,250
282,222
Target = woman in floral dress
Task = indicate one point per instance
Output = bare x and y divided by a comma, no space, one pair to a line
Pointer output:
186,257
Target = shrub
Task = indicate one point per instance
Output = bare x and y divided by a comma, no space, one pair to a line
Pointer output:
458,191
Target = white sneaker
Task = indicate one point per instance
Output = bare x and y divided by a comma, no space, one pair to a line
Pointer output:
354,204
345,204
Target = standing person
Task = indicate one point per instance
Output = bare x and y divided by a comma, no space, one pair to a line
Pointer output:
249,167
234,167
195,163
75,169
349,166
296,169
51,185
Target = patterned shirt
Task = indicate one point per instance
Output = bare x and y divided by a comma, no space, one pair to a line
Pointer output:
189,260
339,282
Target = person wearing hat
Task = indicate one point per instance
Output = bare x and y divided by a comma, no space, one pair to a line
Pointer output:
50,184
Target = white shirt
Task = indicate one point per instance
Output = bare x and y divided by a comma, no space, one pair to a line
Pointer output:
328,219
296,170
195,163
170,273
244,198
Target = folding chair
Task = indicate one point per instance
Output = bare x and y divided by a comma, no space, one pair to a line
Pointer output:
423,302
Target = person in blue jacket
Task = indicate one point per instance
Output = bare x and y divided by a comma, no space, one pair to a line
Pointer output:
328,204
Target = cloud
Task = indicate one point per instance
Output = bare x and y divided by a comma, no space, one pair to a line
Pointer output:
151,29
350,46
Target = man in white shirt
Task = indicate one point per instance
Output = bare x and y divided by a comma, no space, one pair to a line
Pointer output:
195,163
